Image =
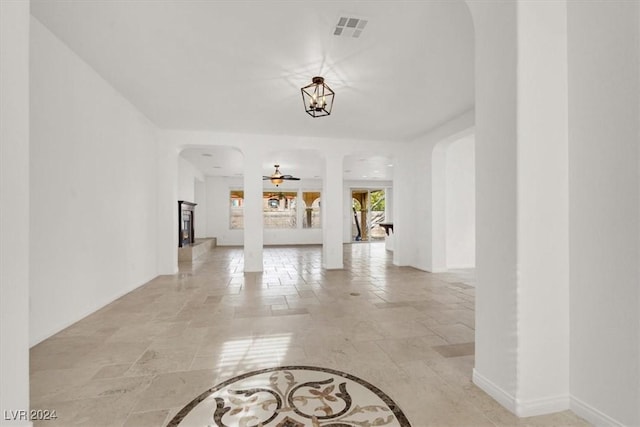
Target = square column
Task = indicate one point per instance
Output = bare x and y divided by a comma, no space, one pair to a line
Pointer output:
332,212
522,303
253,225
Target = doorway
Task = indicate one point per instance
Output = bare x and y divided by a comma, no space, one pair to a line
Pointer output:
368,209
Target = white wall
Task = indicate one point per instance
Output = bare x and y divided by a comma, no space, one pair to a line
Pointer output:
438,207
496,168
576,198
218,210
191,183
542,210
461,204
200,196
14,209
166,206
417,220
188,176
404,237
603,48
93,189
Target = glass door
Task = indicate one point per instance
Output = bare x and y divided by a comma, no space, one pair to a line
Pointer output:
368,207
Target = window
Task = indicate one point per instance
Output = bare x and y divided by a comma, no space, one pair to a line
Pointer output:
237,210
311,214
377,202
279,209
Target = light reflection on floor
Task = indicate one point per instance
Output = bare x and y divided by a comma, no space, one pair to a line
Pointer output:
252,353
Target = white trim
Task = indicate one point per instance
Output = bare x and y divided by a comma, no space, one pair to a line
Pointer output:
460,266
529,408
489,387
545,405
591,414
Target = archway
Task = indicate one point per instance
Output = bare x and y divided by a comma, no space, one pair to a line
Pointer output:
212,177
291,208
453,202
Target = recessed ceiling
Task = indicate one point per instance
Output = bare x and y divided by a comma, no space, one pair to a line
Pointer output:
237,66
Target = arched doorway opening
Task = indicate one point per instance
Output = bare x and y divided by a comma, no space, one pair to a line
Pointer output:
453,208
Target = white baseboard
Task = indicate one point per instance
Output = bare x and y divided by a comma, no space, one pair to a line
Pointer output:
546,405
592,415
461,267
489,387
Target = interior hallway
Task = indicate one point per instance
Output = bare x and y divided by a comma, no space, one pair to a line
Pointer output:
140,359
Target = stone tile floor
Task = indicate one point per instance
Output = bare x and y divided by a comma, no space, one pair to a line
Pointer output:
139,360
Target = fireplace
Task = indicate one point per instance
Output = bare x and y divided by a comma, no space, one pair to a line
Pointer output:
186,233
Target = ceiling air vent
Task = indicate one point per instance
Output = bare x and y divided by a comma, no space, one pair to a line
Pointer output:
349,27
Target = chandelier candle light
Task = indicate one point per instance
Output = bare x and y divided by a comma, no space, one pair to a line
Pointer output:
317,98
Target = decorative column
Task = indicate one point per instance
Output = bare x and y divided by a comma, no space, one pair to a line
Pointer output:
496,346
522,304
404,223
309,197
332,212
253,224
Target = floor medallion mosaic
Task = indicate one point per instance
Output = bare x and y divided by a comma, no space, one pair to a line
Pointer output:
292,396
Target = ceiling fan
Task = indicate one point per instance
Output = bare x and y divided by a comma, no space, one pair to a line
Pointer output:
277,177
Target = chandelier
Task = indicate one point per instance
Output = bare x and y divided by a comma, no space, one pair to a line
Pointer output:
317,98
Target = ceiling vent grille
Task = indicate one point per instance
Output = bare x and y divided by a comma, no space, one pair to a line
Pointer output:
349,27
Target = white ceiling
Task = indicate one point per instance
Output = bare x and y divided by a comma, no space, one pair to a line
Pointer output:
227,162
237,66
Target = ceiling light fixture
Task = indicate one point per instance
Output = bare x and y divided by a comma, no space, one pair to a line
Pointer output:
317,98
277,178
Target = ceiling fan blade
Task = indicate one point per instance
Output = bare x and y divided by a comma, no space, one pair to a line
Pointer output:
290,178
264,178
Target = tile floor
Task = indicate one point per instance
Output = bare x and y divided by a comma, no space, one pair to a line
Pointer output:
139,360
